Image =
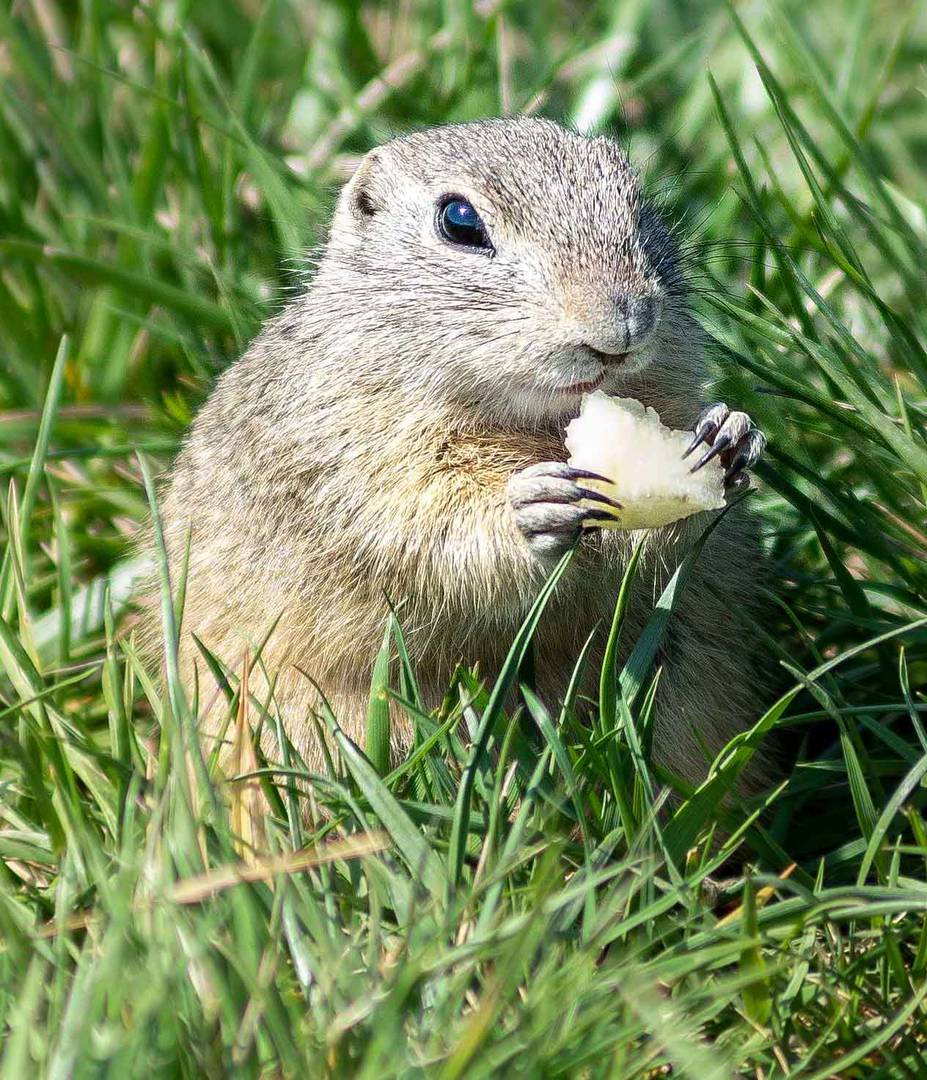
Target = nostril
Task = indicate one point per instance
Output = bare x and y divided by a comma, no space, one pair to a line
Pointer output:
641,316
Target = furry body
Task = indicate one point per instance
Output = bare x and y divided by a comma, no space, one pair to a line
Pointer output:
363,445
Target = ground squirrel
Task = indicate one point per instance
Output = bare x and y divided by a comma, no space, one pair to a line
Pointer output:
396,430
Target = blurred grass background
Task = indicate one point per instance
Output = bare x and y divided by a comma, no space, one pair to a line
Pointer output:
166,168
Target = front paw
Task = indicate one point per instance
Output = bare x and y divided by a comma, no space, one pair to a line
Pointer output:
731,435
551,506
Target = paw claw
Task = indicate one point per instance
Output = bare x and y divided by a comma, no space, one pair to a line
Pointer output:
700,435
720,444
557,470
593,514
551,509
730,435
708,425
748,453
585,474
597,496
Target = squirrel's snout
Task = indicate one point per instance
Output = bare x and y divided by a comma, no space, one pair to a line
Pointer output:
621,326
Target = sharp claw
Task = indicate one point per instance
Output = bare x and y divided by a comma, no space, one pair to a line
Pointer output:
708,425
697,441
598,515
748,453
584,474
721,443
701,434
597,496
740,462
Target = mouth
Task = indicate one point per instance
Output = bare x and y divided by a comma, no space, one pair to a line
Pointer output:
583,387
606,358
604,361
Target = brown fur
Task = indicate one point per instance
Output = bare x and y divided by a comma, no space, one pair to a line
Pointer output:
362,446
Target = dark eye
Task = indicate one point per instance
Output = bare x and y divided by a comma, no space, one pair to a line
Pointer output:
458,223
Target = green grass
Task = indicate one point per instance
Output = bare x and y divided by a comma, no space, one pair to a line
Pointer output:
517,902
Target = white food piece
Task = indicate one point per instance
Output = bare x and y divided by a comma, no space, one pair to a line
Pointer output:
627,442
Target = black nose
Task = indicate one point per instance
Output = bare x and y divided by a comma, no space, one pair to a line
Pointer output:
616,325
640,315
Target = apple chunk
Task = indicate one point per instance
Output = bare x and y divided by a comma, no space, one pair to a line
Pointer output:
623,440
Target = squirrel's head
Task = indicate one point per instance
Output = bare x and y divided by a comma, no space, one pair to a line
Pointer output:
508,264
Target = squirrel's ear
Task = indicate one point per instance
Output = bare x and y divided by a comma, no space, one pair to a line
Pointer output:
362,192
